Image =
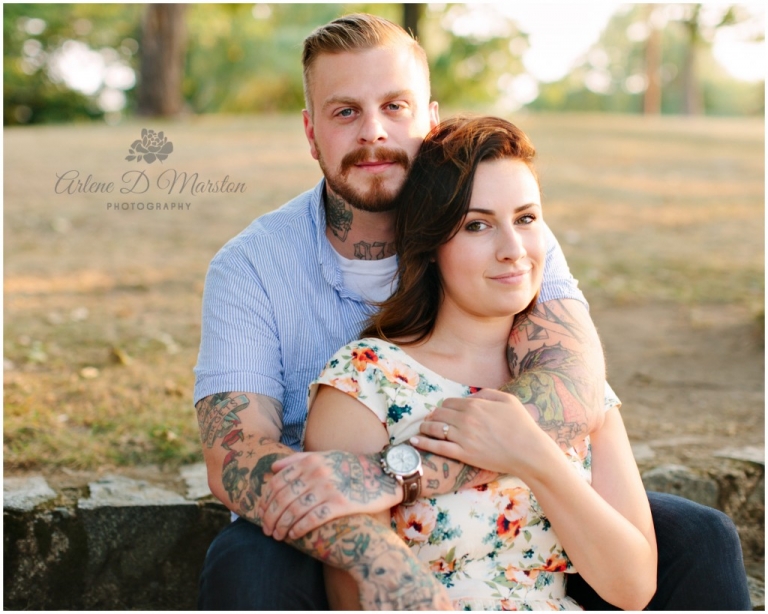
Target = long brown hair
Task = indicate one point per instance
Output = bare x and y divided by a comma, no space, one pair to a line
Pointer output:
430,208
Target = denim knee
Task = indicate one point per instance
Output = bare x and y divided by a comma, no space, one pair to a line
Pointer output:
246,570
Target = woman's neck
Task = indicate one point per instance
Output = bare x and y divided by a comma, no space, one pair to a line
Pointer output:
467,349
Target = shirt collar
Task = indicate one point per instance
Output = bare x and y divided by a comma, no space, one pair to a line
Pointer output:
328,263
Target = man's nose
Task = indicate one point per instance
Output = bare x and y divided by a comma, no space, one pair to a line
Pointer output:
371,130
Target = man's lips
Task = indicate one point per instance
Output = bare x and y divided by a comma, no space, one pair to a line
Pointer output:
374,161
375,166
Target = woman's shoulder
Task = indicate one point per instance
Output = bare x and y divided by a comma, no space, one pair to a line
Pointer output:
371,349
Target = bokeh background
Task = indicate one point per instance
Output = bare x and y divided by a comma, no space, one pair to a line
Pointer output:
108,61
648,119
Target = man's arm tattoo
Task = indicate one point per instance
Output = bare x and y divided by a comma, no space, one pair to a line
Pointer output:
219,422
555,382
389,576
217,417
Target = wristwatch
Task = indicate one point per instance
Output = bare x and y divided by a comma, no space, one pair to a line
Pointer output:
403,462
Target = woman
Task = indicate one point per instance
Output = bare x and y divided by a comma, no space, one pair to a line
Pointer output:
471,245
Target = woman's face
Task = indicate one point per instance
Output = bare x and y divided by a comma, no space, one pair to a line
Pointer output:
493,266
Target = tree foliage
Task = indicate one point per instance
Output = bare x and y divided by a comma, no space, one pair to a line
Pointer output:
246,58
612,76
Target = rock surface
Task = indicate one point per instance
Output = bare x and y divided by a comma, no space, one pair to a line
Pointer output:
119,542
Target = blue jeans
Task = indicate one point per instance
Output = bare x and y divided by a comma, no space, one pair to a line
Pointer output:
700,567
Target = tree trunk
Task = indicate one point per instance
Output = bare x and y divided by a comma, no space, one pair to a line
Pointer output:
163,50
692,100
411,15
652,96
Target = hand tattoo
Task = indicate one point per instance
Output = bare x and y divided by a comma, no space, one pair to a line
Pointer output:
359,481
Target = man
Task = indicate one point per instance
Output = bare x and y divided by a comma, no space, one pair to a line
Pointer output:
295,286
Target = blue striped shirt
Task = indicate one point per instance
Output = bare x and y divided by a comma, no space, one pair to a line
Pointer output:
275,308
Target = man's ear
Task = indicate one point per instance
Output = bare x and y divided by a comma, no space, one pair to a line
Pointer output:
434,114
309,131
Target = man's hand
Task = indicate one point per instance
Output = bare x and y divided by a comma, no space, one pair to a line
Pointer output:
311,488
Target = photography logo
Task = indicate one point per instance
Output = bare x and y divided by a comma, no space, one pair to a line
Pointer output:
142,189
152,146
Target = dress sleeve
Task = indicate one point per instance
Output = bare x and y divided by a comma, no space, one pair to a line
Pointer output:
355,370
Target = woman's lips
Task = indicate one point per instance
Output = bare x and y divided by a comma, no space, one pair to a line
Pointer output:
511,278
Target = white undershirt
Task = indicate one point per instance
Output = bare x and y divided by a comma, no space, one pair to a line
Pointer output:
374,280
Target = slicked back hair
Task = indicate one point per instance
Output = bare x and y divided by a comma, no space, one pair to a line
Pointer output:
355,32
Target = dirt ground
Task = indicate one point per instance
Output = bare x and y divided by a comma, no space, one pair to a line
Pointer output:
661,220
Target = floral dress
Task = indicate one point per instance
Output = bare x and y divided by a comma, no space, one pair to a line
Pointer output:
491,546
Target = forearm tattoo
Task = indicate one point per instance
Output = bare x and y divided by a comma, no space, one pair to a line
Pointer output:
555,382
218,417
452,476
389,576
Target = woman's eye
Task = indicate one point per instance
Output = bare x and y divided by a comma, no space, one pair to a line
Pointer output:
476,226
527,219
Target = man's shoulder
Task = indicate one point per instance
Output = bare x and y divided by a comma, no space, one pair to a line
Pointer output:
295,221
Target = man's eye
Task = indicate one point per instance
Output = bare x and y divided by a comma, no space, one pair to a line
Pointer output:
345,113
394,106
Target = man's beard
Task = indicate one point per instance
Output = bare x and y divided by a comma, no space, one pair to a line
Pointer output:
377,199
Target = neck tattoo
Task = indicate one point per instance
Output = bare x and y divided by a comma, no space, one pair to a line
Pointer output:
338,215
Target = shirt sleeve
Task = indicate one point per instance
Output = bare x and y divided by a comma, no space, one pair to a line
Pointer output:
557,282
239,346
611,399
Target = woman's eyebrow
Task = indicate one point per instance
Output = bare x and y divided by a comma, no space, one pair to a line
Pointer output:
492,212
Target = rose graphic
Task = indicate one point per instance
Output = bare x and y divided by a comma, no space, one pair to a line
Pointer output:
152,146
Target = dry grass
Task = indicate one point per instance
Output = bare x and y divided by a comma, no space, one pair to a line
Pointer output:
102,308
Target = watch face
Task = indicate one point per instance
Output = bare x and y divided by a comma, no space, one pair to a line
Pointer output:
403,459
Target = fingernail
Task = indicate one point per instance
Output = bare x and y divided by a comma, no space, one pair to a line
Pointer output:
414,440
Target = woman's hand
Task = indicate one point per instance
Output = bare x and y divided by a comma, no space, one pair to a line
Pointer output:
490,430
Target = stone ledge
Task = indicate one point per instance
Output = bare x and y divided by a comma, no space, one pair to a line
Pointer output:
128,545
124,544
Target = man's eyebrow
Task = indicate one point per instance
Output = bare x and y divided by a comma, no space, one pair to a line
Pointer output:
342,100
492,212
349,101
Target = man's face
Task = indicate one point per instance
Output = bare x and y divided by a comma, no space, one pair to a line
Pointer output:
371,111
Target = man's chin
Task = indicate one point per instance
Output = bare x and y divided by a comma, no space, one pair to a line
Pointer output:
376,199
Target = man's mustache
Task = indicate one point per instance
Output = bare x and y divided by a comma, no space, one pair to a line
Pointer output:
380,154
